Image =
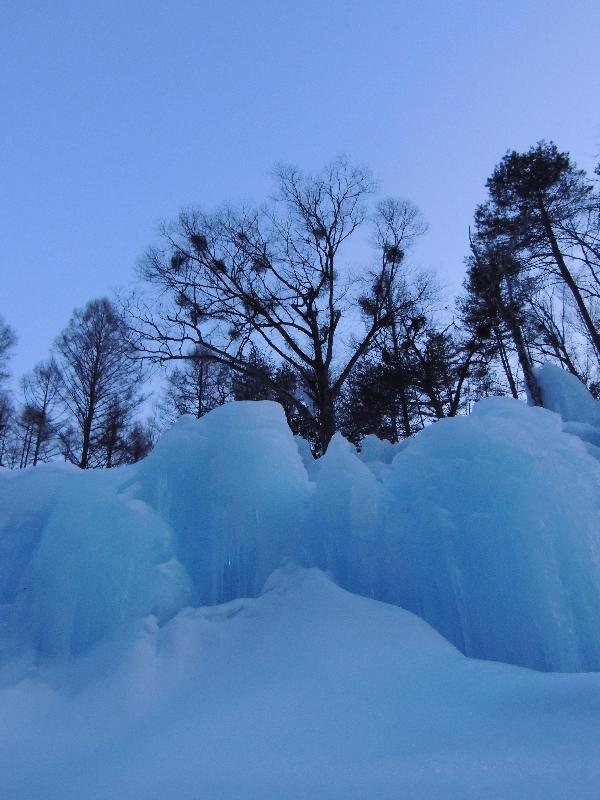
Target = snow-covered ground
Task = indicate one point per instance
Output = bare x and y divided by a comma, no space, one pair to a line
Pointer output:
306,692
121,678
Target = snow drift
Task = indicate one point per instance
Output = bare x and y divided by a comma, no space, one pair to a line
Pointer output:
305,692
487,526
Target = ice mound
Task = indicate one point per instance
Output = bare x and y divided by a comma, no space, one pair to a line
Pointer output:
233,489
215,508
79,558
580,412
487,526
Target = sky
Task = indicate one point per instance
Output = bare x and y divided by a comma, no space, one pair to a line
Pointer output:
115,115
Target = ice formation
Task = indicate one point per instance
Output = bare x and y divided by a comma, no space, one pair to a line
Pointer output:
487,526
580,412
563,393
496,522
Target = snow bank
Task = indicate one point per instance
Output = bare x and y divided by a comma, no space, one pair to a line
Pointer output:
306,692
488,527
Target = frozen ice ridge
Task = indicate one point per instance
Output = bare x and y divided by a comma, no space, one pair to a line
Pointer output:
487,526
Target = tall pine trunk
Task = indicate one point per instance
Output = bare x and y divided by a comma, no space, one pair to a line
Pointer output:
565,274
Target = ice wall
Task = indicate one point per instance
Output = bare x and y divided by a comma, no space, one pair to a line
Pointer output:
494,536
487,526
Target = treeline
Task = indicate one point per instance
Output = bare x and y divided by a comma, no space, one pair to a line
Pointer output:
270,303
81,404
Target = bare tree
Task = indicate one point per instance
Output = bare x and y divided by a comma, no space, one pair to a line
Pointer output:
7,342
8,451
278,278
7,448
554,331
97,374
38,420
196,387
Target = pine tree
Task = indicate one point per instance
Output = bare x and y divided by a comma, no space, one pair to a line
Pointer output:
538,208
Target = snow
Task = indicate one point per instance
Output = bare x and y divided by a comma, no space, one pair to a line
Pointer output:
138,657
307,691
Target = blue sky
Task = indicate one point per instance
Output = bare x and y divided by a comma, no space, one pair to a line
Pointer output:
116,115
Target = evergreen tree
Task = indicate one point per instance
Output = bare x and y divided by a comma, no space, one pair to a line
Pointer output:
497,293
538,208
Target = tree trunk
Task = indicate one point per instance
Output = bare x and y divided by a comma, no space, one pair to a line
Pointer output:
526,365
326,424
405,412
506,365
26,449
86,440
325,408
514,326
464,371
38,442
568,279
398,361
